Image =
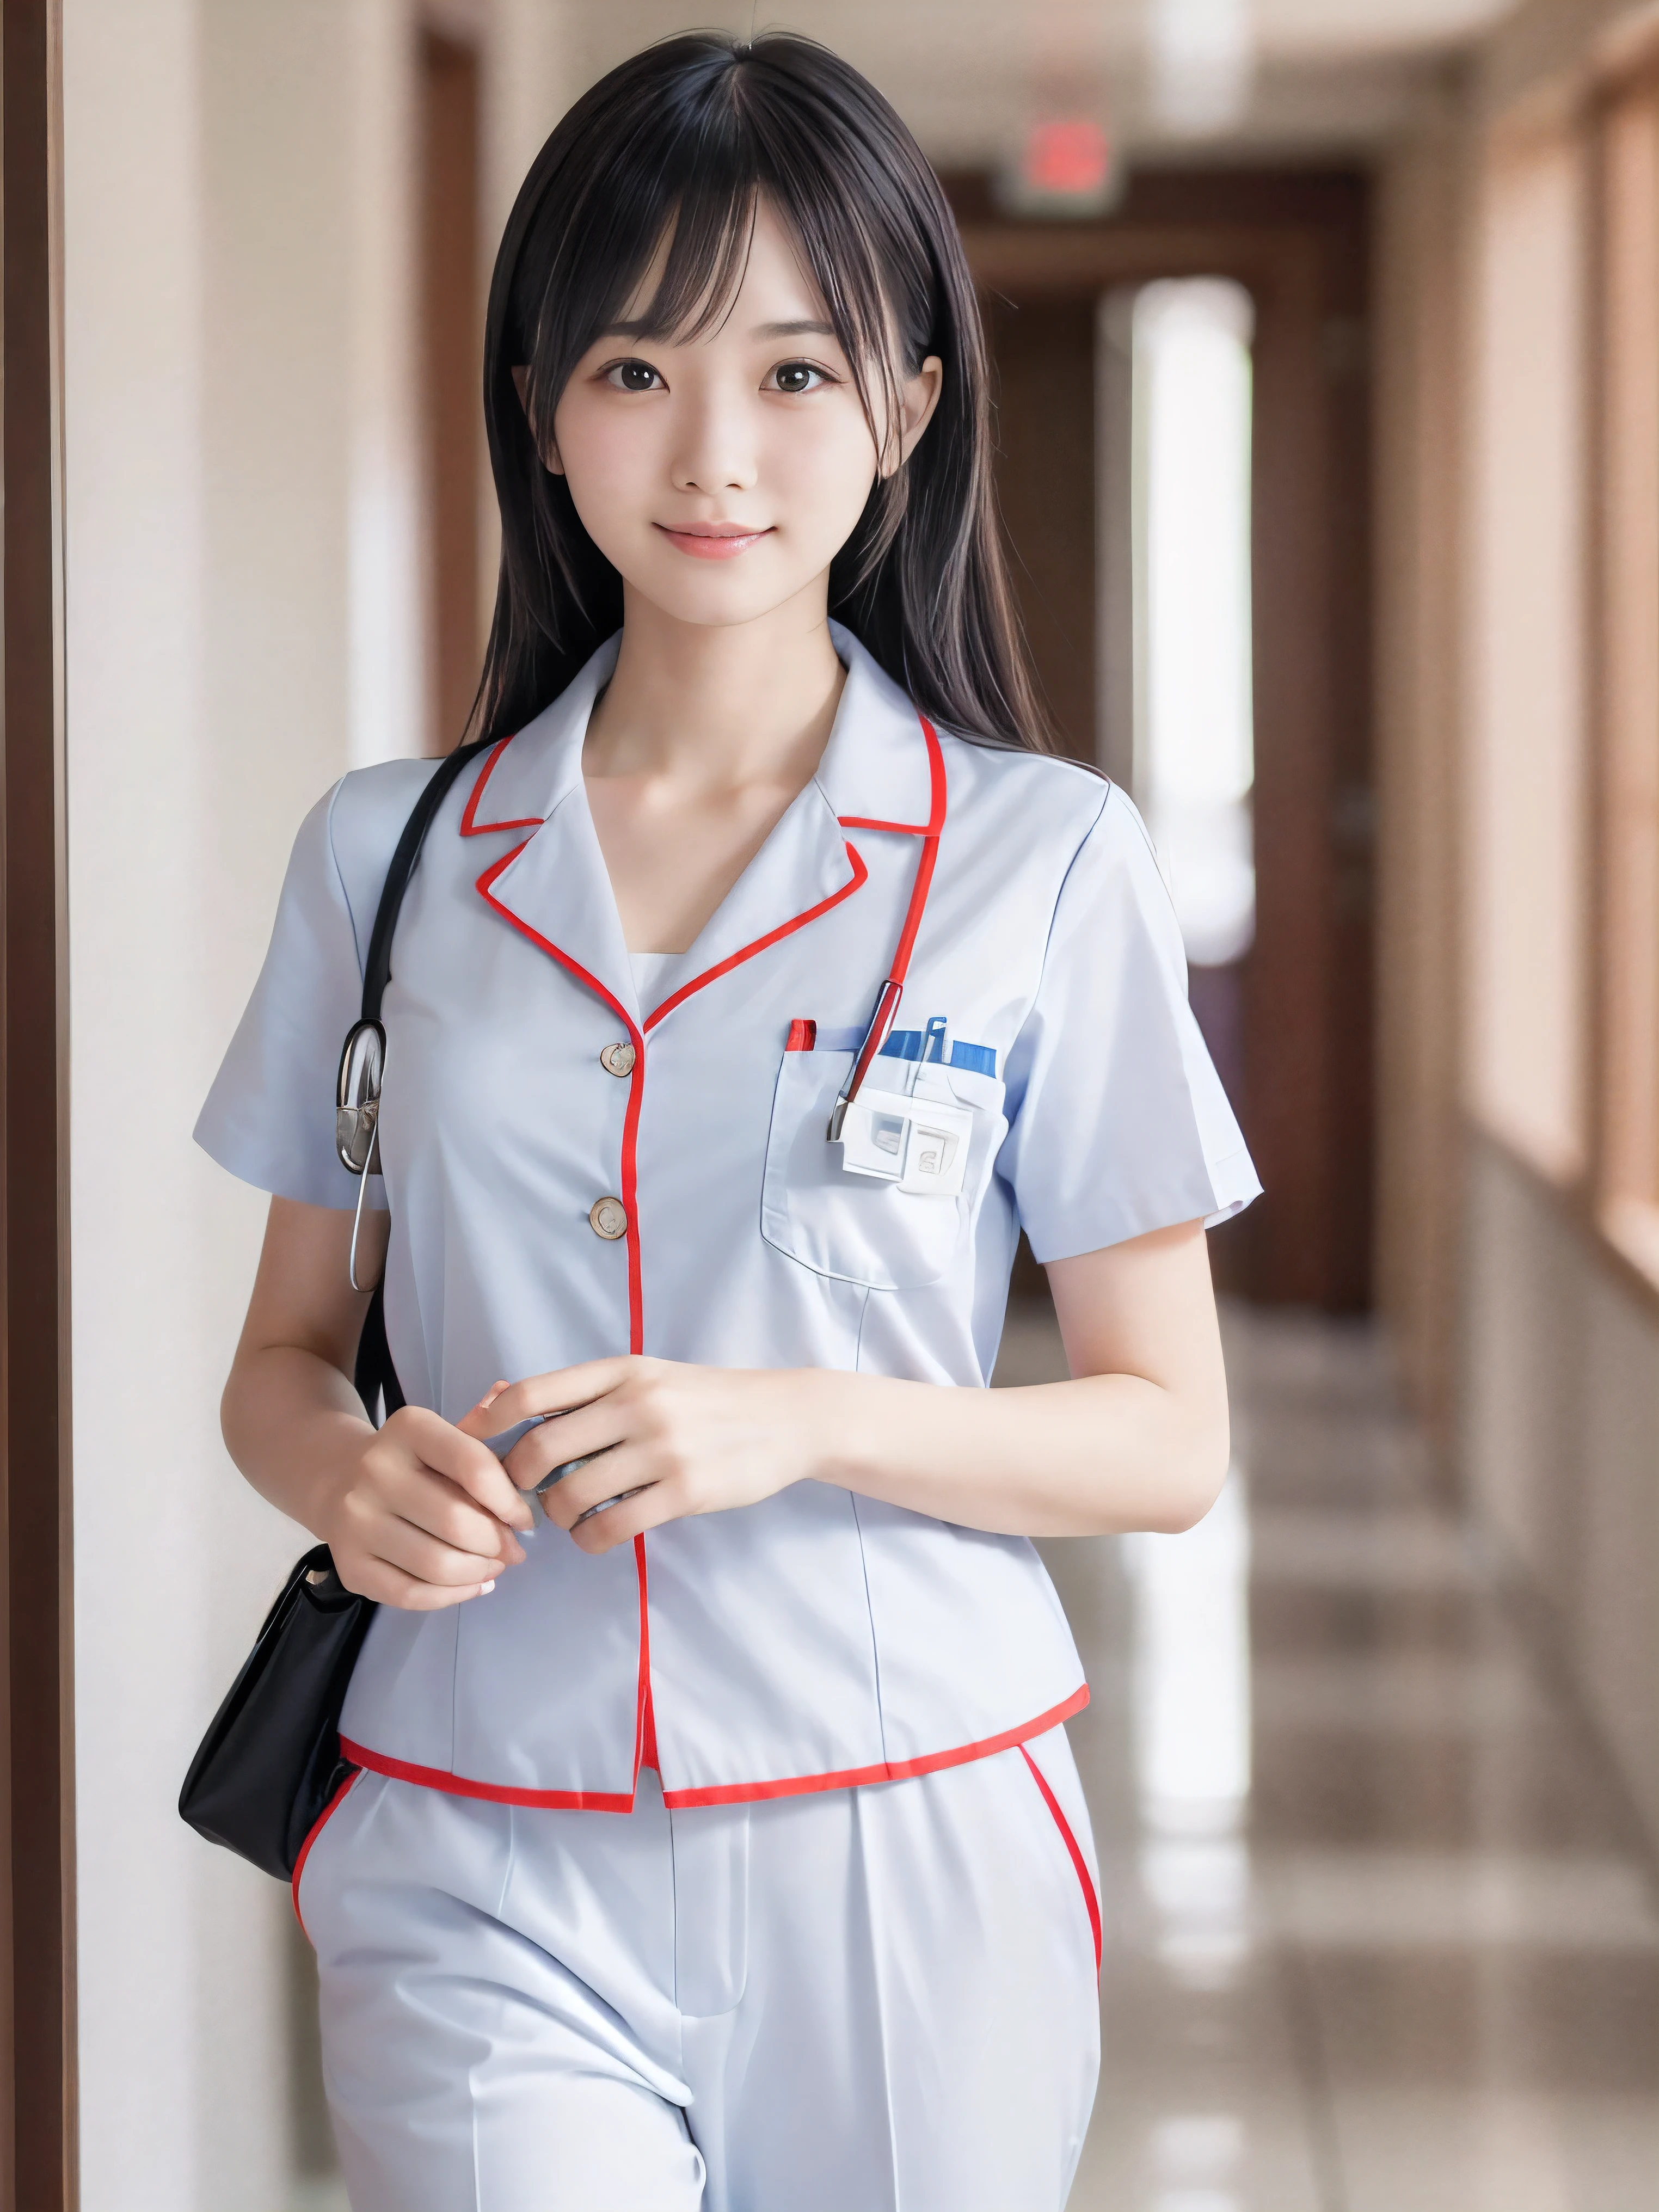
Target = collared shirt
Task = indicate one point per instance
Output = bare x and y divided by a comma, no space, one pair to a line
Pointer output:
817,1638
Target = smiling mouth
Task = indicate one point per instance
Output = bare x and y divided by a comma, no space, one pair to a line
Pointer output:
714,541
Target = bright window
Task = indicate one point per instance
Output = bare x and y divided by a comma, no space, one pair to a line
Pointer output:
1628,831
1524,876
1195,750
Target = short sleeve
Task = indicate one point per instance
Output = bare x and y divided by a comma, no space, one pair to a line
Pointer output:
1118,1123
270,1115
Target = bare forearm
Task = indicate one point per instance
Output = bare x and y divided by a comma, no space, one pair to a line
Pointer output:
295,1428
416,1514
1137,1440
1101,1453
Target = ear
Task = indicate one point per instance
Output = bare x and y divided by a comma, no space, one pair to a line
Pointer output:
550,453
918,397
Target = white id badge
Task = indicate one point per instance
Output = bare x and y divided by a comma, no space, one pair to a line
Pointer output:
920,1143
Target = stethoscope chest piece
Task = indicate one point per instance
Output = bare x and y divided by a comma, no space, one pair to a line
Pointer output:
357,1119
357,1097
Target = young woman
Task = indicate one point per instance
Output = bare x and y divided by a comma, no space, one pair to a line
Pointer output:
715,1840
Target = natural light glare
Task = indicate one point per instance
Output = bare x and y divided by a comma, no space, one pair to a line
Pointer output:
1203,59
1195,2156
1194,752
1191,1662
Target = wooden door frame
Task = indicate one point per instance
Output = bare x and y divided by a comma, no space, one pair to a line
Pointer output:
38,2145
452,345
1297,240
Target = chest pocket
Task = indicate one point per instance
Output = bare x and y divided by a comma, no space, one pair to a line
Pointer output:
851,1226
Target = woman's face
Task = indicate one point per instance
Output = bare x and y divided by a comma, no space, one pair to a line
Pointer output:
722,474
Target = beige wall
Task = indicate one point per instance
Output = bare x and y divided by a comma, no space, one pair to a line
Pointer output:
1524,765
1560,1442
153,1517
1533,1347
1421,258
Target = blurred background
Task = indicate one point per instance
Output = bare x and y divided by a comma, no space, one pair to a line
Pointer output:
1327,338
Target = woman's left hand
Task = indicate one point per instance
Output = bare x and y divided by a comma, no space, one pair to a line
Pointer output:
1137,1439
662,1438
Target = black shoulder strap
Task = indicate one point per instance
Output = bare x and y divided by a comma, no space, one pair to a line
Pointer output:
377,969
374,1377
373,1373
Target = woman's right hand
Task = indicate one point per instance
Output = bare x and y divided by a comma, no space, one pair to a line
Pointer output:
416,1514
425,1517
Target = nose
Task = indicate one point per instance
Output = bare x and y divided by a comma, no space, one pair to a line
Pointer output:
716,451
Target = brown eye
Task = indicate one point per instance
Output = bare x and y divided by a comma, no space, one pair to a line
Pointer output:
633,376
794,377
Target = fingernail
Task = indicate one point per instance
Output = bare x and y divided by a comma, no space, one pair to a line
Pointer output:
484,1589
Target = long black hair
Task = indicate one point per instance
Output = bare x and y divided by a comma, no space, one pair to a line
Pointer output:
681,142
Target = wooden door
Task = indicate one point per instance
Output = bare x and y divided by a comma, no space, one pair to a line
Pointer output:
452,319
37,1830
1297,240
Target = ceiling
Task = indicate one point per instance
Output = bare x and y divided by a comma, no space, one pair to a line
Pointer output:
1212,76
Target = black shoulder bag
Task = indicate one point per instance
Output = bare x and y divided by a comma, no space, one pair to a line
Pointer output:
271,1761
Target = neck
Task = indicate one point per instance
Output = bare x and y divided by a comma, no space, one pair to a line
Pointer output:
718,706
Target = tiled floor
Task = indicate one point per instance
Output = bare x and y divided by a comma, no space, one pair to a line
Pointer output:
1380,1933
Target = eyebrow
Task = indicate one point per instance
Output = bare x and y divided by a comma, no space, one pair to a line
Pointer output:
797,330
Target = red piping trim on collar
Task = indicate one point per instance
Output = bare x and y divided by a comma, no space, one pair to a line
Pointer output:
471,825
735,1793
936,796
929,830
860,875
636,1085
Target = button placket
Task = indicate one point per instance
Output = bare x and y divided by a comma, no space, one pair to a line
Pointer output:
608,1216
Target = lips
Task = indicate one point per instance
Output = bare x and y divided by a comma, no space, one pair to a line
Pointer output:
714,541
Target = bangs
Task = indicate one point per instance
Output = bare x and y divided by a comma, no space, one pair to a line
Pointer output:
706,236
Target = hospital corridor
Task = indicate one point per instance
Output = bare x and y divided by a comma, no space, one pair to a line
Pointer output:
1379,1920
1322,347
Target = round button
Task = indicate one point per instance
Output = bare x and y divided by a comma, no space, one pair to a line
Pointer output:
617,1059
608,1218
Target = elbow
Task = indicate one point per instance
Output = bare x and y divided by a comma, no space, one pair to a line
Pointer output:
236,1413
229,1399
1184,1509
1193,1480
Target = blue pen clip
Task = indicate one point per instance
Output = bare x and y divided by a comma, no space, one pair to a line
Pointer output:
934,1034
